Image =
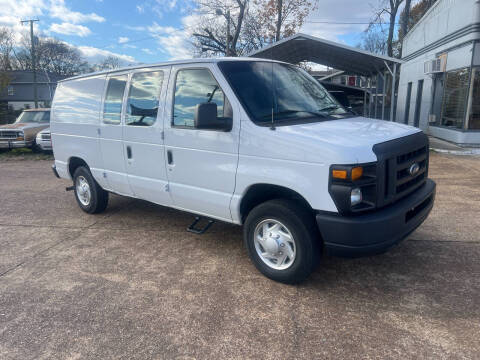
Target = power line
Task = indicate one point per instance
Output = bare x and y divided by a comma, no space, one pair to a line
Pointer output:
347,23
152,37
167,33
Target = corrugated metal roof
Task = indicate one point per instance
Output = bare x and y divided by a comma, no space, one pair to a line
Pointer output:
301,47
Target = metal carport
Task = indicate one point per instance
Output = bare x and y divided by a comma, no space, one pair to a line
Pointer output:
302,47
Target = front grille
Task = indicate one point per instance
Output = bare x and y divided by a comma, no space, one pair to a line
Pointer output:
8,135
396,159
46,136
405,181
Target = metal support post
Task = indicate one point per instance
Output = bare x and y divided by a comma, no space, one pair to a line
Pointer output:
392,97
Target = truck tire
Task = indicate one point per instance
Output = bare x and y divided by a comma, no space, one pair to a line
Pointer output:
90,196
35,148
282,240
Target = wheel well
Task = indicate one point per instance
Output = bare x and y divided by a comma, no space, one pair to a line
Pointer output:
260,193
74,163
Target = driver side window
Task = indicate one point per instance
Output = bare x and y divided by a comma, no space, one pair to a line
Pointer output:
194,87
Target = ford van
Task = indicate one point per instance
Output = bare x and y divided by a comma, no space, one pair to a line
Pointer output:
250,142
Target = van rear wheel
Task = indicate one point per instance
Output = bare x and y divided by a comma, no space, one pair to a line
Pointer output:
282,240
90,196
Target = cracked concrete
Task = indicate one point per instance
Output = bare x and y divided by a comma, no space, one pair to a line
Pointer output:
132,284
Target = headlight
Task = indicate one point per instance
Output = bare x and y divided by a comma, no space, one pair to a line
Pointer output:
353,187
356,196
20,135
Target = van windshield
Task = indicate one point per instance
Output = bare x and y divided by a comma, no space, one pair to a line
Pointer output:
280,93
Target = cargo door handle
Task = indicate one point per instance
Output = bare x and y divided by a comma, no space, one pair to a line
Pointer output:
169,157
129,152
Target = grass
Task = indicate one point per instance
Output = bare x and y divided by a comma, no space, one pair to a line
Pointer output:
23,154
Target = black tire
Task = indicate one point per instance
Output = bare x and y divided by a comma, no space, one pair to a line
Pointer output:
98,197
35,148
301,224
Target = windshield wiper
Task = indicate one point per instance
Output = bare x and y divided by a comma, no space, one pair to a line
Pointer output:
330,107
285,112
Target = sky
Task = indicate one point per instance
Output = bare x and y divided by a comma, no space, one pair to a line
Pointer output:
148,31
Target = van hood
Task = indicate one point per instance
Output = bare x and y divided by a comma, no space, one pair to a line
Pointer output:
342,140
352,131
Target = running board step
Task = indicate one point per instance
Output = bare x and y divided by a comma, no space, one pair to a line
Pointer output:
70,188
193,229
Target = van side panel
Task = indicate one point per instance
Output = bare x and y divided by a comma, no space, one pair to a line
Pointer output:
270,157
75,119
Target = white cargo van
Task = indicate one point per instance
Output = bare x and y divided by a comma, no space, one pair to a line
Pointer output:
247,141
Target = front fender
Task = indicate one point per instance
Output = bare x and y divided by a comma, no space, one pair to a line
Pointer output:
310,180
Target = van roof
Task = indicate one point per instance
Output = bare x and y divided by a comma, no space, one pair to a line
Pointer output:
176,62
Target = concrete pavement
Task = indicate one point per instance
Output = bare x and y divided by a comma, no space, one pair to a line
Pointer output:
131,283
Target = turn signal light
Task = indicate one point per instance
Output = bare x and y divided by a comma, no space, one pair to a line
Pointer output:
357,173
339,174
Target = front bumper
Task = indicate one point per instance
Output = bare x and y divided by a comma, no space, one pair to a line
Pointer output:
14,144
375,232
44,144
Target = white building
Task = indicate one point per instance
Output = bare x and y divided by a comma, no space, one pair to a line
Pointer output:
439,89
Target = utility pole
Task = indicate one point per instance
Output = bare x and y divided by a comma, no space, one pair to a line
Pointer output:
32,40
279,19
227,53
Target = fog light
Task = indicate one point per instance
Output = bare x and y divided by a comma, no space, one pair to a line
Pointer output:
355,196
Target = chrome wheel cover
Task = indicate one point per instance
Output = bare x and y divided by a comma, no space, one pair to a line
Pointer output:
274,244
82,189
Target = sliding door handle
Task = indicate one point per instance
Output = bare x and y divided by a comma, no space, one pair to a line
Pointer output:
169,157
129,152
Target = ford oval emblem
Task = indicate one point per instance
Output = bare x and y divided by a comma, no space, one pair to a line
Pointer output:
414,169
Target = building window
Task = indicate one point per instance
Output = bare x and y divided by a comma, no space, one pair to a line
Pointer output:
407,104
454,102
474,101
11,90
418,104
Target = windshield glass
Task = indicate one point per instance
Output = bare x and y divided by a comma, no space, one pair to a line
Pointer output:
34,117
283,91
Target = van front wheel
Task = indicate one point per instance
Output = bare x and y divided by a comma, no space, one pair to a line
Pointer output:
282,241
90,196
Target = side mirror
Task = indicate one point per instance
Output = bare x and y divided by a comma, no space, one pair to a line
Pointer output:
206,118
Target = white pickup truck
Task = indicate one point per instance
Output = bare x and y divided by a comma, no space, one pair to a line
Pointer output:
247,141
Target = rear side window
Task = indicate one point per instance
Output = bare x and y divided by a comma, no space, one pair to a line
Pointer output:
194,87
143,98
112,107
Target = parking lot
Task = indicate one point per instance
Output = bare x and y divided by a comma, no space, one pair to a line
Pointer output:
132,283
